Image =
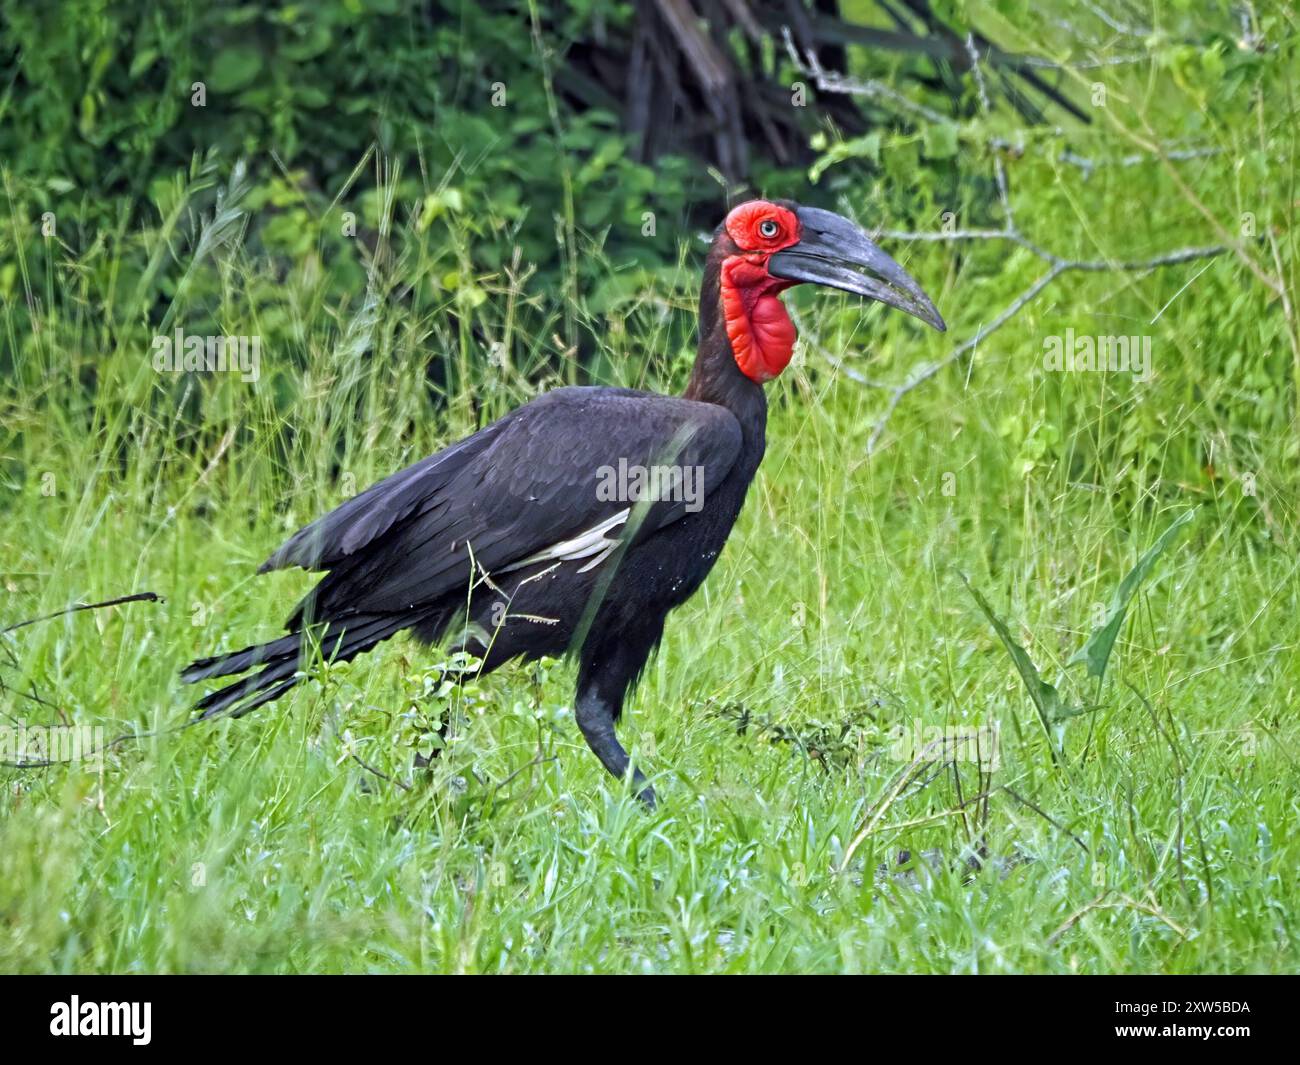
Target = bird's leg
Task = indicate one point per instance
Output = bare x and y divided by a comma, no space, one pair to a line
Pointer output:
596,719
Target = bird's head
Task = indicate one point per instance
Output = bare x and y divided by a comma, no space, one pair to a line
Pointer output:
766,246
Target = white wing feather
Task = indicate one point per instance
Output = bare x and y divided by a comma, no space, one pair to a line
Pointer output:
593,541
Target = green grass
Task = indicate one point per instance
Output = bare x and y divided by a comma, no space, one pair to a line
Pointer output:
1153,833
835,615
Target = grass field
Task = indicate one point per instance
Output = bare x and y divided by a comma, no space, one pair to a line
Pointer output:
797,829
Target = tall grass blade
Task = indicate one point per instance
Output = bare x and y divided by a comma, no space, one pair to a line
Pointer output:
1096,652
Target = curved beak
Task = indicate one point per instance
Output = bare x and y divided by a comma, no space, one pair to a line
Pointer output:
833,251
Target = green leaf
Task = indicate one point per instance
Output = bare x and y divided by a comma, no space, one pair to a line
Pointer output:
315,41
234,68
866,147
1212,63
1046,699
940,141
1096,652
143,61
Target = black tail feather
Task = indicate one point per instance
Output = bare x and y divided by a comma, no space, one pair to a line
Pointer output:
341,640
242,661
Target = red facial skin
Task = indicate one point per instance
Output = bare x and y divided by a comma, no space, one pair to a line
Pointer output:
760,330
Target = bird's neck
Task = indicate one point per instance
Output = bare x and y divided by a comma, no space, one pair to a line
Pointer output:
717,376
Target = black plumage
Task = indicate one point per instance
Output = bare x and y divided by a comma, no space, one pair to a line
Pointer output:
505,544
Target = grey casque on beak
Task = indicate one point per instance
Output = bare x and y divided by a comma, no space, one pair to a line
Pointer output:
833,251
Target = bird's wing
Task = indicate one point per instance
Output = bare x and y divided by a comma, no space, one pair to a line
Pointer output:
534,486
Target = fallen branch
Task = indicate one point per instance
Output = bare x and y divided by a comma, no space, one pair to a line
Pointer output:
136,597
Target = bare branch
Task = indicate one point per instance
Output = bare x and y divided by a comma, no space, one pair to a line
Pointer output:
1115,24
1057,265
927,372
137,597
832,82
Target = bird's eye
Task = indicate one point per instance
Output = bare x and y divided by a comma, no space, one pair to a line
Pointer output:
768,228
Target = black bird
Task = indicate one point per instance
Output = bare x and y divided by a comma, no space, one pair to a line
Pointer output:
577,522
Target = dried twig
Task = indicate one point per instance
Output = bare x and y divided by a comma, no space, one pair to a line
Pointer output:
1124,902
1045,816
137,597
892,793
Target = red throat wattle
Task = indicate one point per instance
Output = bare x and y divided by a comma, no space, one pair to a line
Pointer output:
760,330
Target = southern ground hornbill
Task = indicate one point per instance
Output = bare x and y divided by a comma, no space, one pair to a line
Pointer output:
517,543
